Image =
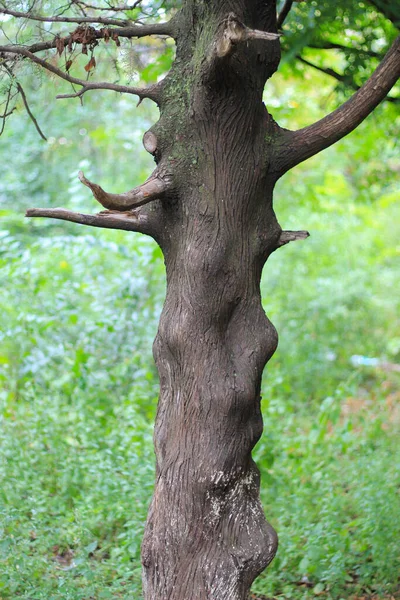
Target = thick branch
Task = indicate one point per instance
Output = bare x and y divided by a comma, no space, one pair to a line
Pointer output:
299,145
127,221
150,92
33,17
152,189
235,32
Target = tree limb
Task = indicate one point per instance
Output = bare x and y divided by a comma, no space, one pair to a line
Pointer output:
151,92
127,221
33,17
143,219
296,146
152,189
131,31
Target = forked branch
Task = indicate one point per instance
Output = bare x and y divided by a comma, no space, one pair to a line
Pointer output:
127,211
296,146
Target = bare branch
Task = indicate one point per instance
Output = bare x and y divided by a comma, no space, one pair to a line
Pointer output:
292,236
28,110
33,17
131,31
297,146
127,221
235,32
152,189
151,92
284,13
144,219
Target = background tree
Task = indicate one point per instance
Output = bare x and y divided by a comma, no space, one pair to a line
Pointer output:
197,211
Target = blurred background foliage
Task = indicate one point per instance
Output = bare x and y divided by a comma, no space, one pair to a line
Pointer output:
79,311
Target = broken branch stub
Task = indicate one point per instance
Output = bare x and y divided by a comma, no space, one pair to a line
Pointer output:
292,236
152,189
235,32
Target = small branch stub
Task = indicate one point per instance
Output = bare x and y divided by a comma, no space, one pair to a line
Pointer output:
292,236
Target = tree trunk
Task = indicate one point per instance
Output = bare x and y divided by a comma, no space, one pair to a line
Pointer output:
206,535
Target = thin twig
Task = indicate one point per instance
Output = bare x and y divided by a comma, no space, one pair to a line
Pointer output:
347,81
150,92
28,110
284,13
6,114
328,71
334,46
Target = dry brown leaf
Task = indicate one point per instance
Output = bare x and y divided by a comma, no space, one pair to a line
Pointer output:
91,64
